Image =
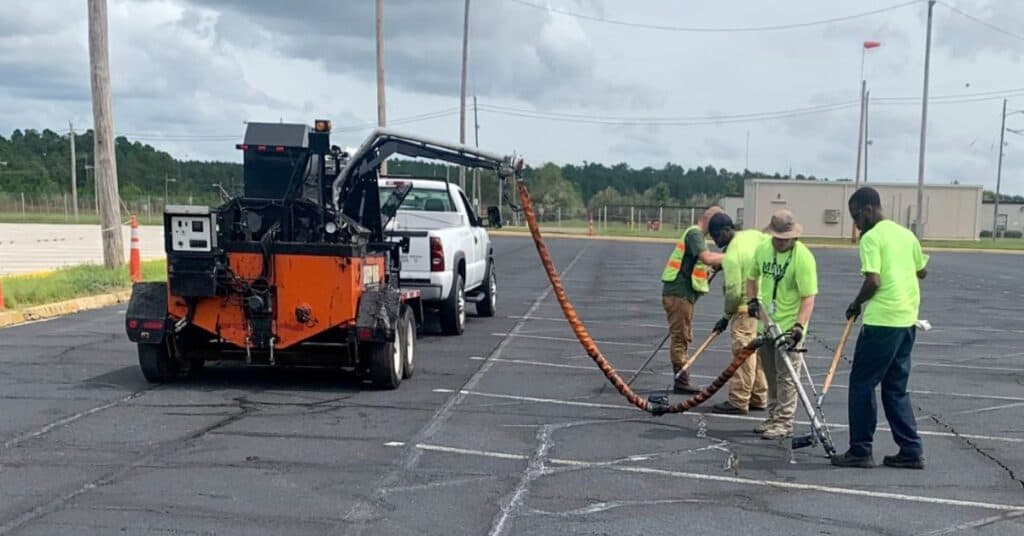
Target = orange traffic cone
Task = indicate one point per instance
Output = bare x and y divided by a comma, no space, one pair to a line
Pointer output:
135,261
2,307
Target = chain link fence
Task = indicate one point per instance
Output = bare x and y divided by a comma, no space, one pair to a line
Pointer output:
60,208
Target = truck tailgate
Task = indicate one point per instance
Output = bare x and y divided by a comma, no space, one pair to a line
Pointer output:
415,263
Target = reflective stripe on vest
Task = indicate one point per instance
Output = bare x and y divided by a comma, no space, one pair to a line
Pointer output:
699,275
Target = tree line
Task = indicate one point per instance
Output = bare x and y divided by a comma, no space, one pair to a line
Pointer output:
38,162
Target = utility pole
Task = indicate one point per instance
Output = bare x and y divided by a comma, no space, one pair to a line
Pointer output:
476,172
462,98
74,169
381,110
919,227
999,175
867,131
107,198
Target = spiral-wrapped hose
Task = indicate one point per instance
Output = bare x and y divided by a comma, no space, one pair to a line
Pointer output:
654,407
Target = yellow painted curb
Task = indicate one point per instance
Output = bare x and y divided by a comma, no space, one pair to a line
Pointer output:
54,310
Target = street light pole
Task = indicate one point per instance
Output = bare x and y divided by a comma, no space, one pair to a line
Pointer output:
867,137
166,195
919,225
462,96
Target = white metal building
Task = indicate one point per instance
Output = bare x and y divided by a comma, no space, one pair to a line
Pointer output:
951,212
1011,217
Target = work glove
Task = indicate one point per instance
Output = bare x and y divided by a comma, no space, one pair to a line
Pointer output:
852,311
721,325
796,334
754,308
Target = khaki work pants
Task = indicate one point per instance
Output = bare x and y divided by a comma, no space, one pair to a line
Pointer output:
782,394
748,387
680,325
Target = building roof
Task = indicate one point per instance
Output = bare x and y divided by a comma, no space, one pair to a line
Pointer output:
872,183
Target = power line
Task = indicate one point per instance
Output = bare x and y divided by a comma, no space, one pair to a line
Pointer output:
669,28
710,120
663,119
981,21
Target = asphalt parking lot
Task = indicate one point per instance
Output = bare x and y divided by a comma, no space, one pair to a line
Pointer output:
510,429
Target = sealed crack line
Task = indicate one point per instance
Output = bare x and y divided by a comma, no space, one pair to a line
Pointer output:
15,441
359,512
604,506
57,503
976,524
534,469
970,443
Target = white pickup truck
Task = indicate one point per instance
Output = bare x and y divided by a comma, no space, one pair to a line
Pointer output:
450,258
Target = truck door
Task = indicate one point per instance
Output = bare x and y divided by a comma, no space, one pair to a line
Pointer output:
475,268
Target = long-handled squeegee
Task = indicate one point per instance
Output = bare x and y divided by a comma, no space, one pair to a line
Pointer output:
819,428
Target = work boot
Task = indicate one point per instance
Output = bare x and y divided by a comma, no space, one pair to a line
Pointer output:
757,408
726,408
764,426
852,460
777,431
904,461
683,386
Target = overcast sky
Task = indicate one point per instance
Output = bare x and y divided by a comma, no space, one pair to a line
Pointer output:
186,74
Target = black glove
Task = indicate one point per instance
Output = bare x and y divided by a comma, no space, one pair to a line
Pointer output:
754,308
796,334
852,311
721,325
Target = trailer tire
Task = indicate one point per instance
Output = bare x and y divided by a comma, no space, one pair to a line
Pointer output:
385,364
407,341
156,363
453,309
488,303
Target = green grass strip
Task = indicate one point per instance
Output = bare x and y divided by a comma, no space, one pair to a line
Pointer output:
74,282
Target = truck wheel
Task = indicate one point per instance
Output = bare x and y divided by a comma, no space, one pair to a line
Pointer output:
386,364
453,310
488,303
407,341
156,363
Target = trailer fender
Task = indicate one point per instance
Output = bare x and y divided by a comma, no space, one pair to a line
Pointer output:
146,318
377,317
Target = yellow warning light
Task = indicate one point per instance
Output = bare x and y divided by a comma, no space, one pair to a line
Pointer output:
322,125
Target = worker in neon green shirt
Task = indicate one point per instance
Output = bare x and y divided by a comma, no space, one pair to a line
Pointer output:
784,280
748,388
893,265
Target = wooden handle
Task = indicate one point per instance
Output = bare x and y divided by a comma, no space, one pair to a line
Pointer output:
707,342
835,358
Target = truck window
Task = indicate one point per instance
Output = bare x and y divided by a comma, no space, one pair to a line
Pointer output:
421,199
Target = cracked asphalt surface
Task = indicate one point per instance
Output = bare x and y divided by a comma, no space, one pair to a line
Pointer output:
509,429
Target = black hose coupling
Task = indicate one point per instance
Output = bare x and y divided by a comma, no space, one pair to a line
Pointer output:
657,405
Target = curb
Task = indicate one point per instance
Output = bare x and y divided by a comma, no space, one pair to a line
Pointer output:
54,310
810,244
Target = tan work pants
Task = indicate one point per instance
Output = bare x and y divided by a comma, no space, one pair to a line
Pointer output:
748,387
680,325
781,386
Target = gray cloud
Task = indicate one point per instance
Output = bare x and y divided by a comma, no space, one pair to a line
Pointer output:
515,52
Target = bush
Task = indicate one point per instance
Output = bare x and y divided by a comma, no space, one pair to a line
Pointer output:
1013,234
985,234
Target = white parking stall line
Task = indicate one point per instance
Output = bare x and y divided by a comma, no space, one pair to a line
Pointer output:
626,407
779,484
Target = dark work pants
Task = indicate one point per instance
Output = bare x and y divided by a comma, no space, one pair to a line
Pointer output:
882,357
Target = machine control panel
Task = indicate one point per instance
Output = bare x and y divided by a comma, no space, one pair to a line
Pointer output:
191,230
